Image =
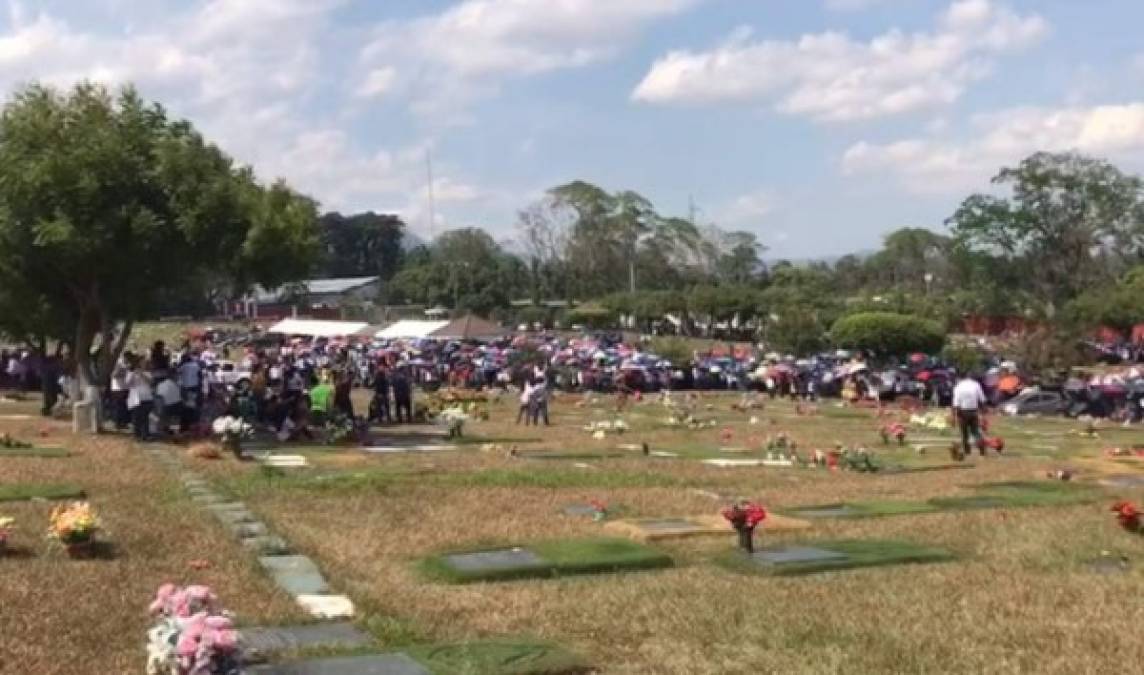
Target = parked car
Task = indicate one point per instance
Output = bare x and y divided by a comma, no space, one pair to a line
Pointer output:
1036,403
229,374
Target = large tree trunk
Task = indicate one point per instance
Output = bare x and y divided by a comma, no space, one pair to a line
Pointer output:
86,414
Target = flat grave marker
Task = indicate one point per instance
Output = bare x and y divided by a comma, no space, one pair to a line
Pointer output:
654,529
795,554
733,463
296,574
260,643
511,558
326,606
1124,481
579,510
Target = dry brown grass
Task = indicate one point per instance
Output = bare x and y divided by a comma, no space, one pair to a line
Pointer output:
1019,599
63,616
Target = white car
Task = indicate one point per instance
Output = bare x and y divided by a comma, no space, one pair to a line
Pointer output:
229,374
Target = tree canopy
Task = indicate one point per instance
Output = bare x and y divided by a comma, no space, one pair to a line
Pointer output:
105,201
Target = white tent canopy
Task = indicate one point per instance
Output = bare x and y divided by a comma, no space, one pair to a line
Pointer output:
410,328
315,328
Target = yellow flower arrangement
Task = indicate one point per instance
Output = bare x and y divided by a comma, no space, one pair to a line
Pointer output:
73,523
6,527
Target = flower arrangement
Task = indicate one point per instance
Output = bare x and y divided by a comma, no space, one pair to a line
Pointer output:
472,403
934,420
232,431
894,430
745,517
600,430
6,527
1128,515
601,510
859,460
191,635
454,420
74,525
340,429
781,441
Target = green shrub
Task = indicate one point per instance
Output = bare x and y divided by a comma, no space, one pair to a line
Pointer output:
888,334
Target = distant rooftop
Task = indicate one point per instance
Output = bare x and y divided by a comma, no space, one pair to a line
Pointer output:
316,287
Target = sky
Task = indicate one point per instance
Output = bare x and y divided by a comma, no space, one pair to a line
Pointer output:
819,125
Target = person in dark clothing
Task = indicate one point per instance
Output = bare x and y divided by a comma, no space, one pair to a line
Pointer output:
381,411
50,384
403,396
343,403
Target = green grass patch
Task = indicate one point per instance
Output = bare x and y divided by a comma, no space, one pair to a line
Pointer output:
580,456
859,554
867,509
1016,494
380,480
557,558
20,493
34,452
498,657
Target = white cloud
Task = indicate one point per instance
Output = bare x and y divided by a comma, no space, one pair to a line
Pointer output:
832,77
953,165
378,82
747,209
243,71
853,5
446,59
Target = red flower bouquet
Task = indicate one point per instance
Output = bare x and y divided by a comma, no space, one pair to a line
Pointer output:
995,443
1128,515
745,518
894,430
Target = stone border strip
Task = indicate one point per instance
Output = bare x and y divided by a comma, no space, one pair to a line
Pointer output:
296,574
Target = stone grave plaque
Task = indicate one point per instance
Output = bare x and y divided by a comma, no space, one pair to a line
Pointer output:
796,554
837,511
260,643
579,510
327,607
296,574
1124,481
1109,564
509,558
380,664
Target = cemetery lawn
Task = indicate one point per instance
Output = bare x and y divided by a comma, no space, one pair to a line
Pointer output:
1017,597
59,616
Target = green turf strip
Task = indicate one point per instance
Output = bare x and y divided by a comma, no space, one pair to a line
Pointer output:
558,558
501,656
582,456
1017,494
34,452
859,554
19,493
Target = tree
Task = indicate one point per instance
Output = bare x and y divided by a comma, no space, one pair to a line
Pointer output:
465,269
888,334
364,244
104,201
1063,212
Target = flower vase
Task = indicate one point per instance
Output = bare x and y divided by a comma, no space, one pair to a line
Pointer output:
79,550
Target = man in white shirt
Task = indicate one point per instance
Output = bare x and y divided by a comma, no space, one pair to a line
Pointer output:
968,399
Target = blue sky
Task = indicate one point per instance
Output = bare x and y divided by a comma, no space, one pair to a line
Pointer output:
820,125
